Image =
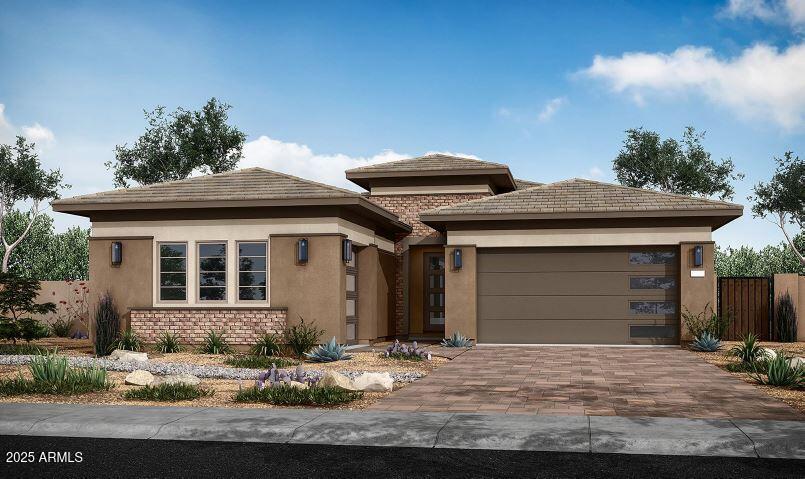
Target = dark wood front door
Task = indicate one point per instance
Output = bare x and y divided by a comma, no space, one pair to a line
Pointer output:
434,292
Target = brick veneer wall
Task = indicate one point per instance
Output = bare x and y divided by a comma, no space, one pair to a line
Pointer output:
407,207
242,326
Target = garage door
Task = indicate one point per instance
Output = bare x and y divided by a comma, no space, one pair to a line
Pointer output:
602,295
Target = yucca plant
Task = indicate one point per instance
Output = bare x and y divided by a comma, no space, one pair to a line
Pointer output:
267,345
328,352
706,342
215,343
749,350
457,340
129,341
780,372
168,343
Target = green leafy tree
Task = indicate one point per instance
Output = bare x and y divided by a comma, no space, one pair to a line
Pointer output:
22,179
176,144
17,304
770,260
783,199
671,166
46,255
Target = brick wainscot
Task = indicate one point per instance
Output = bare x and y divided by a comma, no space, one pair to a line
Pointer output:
242,326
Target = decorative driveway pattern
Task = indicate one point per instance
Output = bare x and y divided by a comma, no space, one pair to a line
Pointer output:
599,381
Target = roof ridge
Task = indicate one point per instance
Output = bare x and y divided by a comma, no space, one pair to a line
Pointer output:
488,198
422,157
673,195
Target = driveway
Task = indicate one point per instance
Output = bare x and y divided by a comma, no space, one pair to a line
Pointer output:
557,380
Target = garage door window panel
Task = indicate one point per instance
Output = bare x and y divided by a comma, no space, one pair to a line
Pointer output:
652,282
645,308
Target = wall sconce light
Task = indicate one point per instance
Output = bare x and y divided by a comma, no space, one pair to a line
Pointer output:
346,250
458,259
301,251
698,256
117,253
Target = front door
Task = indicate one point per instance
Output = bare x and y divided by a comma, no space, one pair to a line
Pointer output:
434,292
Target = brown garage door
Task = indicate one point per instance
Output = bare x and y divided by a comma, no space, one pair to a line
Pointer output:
601,295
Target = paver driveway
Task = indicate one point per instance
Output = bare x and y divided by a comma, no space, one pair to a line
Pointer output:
558,380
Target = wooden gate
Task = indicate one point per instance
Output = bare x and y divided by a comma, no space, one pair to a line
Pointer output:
748,301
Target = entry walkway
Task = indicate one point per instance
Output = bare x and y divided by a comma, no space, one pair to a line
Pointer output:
600,381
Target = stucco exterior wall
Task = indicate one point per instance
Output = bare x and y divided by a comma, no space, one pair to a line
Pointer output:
64,294
461,307
131,283
368,312
794,285
315,291
696,293
579,237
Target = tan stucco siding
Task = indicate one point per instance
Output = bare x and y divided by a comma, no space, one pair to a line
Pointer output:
697,285
386,294
368,266
461,293
131,283
579,237
315,291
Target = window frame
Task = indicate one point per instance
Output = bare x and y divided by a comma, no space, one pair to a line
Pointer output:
159,272
198,287
237,273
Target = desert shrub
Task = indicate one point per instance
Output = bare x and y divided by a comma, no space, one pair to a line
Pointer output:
706,321
215,343
285,395
779,372
328,352
301,338
12,349
61,328
404,352
259,362
168,343
169,392
129,341
267,345
107,325
748,350
457,340
51,374
786,316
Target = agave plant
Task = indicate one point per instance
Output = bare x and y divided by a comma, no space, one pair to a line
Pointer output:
400,350
457,340
328,352
706,342
780,372
749,351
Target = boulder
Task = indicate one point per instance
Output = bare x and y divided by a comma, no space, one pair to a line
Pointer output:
334,379
374,382
123,355
183,378
769,353
797,362
297,384
139,377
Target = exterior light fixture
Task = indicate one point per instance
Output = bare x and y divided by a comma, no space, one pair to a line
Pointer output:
346,250
117,253
301,251
458,258
698,256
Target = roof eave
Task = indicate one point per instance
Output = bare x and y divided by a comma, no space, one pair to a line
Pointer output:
363,178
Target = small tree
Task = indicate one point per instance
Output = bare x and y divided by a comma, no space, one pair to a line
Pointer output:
671,166
17,304
23,179
177,144
783,198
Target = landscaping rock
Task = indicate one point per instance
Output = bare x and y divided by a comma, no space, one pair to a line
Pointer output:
123,355
332,378
297,384
139,377
374,382
769,353
797,362
188,379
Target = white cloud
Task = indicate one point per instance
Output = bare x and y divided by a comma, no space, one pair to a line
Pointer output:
300,160
35,133
550,109
38,133
595,173
760,83
791,12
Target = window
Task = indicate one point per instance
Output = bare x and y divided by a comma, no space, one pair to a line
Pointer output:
252,271
212,271
652,307
652,282
172,272
652,257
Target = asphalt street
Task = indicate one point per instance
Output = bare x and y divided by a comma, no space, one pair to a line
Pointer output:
59,457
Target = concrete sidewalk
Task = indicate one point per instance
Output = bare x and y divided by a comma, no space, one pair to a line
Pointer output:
600,434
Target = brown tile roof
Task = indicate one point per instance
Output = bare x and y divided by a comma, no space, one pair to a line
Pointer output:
525,184
580,196
246,184
434,162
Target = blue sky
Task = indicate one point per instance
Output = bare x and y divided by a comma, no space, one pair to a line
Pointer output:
547,88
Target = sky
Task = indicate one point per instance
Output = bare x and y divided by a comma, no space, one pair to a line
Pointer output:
318,87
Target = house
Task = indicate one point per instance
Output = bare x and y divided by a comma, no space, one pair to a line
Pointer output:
436,244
